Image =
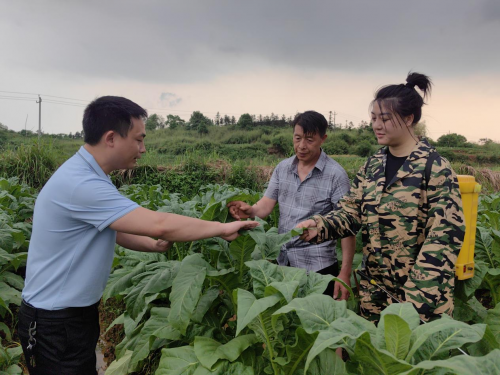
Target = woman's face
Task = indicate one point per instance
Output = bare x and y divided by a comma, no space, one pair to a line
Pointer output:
389,128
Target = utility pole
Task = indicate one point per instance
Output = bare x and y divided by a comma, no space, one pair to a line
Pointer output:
25,133
39,119
334,114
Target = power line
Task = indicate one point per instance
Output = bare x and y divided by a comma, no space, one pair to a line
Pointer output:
50,96
16,92
64,103
22,99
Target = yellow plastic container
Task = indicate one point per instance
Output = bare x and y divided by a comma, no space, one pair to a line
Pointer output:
470,190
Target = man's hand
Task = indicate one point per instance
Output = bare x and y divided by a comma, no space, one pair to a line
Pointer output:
230,230
240,210
338,287
310,230
162,246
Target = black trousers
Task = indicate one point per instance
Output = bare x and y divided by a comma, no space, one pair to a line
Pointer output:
65,339
330,270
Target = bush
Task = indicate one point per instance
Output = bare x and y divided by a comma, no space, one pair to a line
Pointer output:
364,149
336,146
283,144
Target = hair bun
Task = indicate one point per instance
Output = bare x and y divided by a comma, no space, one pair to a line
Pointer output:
422,81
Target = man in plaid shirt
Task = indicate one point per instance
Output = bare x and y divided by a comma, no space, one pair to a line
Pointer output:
306,184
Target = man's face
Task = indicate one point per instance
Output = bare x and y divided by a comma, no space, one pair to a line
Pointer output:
132,146
307,146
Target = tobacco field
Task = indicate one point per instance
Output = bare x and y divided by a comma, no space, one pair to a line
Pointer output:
218,307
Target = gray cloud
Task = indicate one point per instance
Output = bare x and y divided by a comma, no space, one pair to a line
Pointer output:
190,41
169,99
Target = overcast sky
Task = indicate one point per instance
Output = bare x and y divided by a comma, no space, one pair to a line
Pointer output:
258,57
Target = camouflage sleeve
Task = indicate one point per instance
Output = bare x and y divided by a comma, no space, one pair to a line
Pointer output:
345,219
431,281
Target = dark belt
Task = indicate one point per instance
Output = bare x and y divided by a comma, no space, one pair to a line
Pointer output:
68,312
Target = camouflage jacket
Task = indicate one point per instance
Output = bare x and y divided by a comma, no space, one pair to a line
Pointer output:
411,236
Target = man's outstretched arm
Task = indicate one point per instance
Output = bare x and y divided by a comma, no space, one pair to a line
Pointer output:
176,228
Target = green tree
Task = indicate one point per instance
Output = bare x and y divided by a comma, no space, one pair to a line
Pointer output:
452,140
153,122
174,121
245,121
202,129
197,119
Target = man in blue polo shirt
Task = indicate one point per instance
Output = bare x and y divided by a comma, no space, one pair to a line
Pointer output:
79,217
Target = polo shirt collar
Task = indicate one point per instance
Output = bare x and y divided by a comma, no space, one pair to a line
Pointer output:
87,156
320,164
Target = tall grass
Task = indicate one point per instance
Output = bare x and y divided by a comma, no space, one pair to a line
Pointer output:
32,163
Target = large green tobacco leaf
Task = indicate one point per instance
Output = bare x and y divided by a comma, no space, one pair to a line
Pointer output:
269,243
342,333
315,284
241,250
287,289
327,362
156,326
493,321
464,289
491,281
186,290
429,341
212,211
471,311
225,368
265,273
209,351
368,360
6,239
12,279
297,353
406,312
178,361
460,365
250,307
120,366
316,312
157,278
397,336
486,249
9,295
206,300
120,280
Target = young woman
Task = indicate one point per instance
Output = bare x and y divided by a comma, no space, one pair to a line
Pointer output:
412,222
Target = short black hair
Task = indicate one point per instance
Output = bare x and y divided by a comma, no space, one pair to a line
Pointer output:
311,122
109,113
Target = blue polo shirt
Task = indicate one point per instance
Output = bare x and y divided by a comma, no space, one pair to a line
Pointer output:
71,247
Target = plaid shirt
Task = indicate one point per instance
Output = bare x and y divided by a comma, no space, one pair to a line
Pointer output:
298,201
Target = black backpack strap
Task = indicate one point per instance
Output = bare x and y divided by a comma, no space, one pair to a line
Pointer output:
428,167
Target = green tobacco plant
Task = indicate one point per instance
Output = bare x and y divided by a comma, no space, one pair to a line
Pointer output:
16,209
213,307
475,295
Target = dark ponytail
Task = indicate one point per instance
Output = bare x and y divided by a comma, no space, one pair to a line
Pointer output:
404,99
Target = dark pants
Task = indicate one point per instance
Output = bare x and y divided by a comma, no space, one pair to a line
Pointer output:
330,270
65,339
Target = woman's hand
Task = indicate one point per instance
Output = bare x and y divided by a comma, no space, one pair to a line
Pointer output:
310,230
